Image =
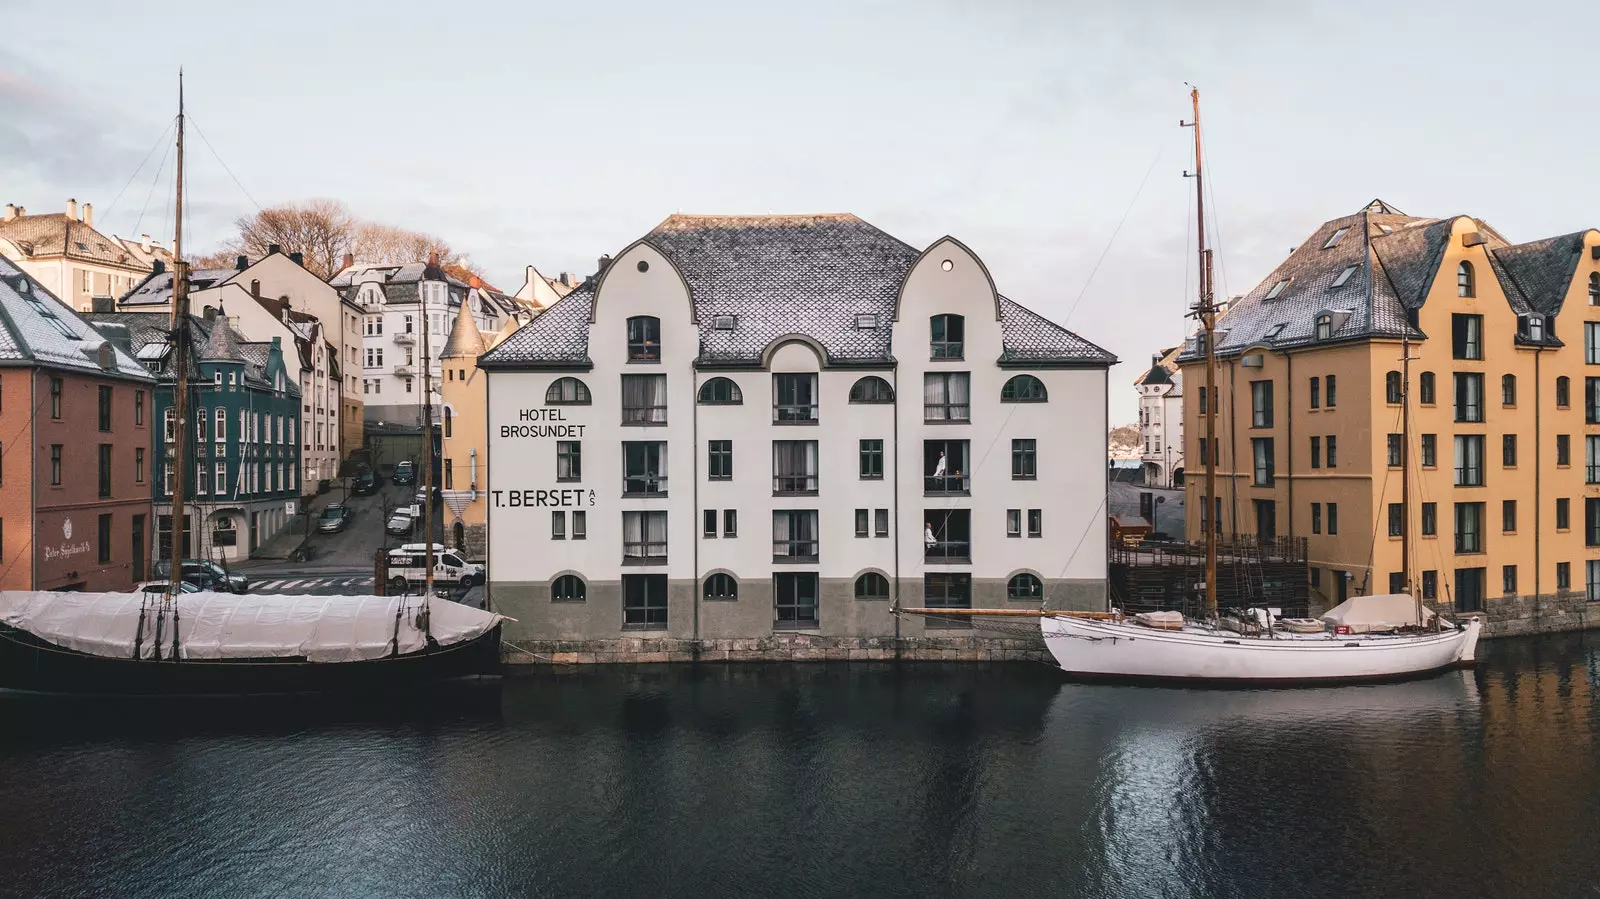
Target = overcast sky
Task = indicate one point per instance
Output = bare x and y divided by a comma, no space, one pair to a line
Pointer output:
528,132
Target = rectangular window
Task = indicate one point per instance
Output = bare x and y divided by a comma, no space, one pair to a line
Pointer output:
103,408
1396,458
1591,401
1430,584
558,525
1591,343
1592,573
449,474
1333,391
55,398
644,538
1024,459
1316,452
1396,521
1469,527
1471,588
1333,451
55,466
1260,404
1508,515
946,396
138,408
644,468
948,336
1316,517
1508,451
1591,521
569,460
1563,449
105,469
1425,389
1261,452
1508,390
1316,393
1333,516
1469,396
1203,404
1563,393
947,535
1397,582
947,590
103,535
1014,522
794,467
794,597
871,460
1430,450
221,478
862,522
794,535
880,522
138,465
1035,522
1563,514
1466,336
1591,446
730,523
719,460
946,467
1508,579
1563,576
644,602
794,398
1469,460
709,523
1430,519
644,399
644,339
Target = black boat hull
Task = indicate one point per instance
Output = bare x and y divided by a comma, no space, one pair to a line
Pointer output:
30,664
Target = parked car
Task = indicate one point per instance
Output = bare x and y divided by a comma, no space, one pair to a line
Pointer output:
334,518
207,575
401,523
161,587
405,473
409,565
366,484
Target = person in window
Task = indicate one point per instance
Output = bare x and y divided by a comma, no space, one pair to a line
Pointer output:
927,532
938,468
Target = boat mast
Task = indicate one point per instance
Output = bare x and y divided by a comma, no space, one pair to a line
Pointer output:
1206,311
1405,461
427,450
180,394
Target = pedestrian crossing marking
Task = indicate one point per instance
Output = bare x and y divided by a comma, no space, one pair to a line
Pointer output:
297,585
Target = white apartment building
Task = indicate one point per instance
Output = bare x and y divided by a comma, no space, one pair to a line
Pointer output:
1161,420
756,424
69,257
396,302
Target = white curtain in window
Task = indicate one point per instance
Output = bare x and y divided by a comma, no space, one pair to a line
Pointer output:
959,395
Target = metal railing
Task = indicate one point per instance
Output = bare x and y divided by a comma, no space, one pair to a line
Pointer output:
794,550
948,551
958,484
946,412
795,412
799,484
644,485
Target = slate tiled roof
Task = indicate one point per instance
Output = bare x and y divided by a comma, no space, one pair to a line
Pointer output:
400,284
465,338
221,346
156,290
57,234
1397,258
35,327
777,275
1542,269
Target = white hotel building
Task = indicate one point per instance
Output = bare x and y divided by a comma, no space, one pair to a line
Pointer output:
736,428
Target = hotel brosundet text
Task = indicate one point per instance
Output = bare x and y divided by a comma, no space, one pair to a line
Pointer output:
752,425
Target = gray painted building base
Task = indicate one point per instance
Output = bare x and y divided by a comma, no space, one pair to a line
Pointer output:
1548,613
745,629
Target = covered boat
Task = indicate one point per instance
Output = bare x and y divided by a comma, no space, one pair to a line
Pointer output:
129,643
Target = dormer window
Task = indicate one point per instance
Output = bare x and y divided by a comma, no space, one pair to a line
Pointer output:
866,321
1334,240
644,339
1277,289
1466,283
1274,331
949,336
1345,275
1325,326
1535,327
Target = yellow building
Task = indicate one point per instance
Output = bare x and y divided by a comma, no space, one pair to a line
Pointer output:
464,440
1504,443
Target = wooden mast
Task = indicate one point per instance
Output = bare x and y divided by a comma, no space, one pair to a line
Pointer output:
427,444
1405,458
1206,311
180,394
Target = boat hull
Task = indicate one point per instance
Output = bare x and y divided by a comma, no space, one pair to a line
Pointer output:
30,664
1097,650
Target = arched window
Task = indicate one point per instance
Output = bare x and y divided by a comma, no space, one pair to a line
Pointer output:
949,336
871,389
644,339
1024,588
567,392
568,588
458,536
872,585
721,587
1391,387
1023,389
1594,289
720,392
1324,326
1425,388
1508,390
447,419
1465,283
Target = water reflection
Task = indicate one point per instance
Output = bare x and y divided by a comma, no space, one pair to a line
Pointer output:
825,780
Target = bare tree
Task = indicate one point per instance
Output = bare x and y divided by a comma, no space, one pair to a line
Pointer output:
323,231
379,244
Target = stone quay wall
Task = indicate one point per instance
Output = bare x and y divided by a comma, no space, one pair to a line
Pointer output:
1546,613
964,647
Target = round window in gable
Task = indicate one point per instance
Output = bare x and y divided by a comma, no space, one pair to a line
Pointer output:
947,265
644,266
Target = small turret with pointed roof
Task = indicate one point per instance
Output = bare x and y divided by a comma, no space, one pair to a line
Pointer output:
465,338
222,345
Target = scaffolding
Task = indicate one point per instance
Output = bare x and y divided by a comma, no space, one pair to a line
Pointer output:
1158,577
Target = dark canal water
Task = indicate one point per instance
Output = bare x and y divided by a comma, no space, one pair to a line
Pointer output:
826,780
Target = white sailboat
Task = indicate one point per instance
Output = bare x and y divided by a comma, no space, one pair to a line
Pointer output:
1367,638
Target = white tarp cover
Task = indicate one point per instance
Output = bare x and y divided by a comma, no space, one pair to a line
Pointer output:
1382,612
226,626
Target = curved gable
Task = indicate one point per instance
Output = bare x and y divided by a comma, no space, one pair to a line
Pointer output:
952,250
627,263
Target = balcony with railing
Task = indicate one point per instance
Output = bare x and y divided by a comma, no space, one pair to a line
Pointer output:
405,338
947,537
802,550
644,485
947,485
946,468
644,552
794,485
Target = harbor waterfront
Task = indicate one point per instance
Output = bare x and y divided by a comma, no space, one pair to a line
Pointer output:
823,780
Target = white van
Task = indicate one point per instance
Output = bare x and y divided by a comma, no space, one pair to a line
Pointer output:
409,565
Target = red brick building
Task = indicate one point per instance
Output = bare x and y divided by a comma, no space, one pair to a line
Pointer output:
75,448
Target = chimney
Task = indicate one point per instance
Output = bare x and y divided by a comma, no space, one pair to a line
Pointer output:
158,267
240,263
273,248
72,209
433,258
277,342
255,288
104,304
88,214
144,242
10,212
349,260
605,262
210,314
298,258
475,282
566,279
